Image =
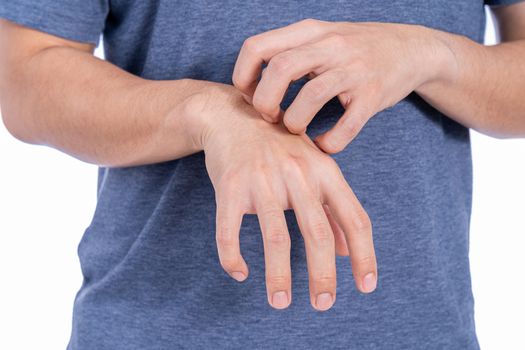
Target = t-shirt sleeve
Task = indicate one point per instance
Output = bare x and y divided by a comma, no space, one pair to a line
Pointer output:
77,20
501,2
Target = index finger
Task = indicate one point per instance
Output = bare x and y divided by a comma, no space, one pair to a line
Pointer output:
260,48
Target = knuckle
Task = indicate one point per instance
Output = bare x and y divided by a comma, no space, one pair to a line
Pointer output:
340,77
321,234
230,263
278,236
336,40
225,236
251,45
350,128
361,69
293,125
375,88
272,213
315,90
312,23
261,104
309,21
292,167
225,196
264,170
228,183
366,263
237,80
324,280
280,64
362,222
278,280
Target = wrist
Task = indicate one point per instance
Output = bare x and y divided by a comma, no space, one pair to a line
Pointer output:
441,65
192,112
204,110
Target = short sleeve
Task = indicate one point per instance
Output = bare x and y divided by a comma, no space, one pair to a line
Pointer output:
501,2
77,20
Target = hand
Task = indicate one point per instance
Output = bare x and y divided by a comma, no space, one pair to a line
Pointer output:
368,66
260,168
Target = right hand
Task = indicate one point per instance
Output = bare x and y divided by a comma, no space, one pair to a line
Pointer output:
260,168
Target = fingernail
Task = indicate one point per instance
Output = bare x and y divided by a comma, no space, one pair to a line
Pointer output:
280,300
324,301
369,282
239,276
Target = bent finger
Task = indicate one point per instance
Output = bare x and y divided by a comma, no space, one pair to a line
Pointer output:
312,97
283,69
258,49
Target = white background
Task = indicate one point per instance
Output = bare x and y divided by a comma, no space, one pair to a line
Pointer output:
47,199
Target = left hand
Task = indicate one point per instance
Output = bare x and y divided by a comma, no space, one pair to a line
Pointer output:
368,66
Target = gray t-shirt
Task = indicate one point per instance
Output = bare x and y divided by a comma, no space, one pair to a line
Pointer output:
152,278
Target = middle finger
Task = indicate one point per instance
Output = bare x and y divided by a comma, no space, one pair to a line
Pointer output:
319,244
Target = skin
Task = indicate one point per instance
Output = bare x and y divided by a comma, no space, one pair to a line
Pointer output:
49,97
479,86
273,171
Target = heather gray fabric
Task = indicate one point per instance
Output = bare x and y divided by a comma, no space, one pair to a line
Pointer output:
152,279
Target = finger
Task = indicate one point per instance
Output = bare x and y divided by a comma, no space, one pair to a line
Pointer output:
357,228
341,248
319,244
283,69
312,97
258,49
346,129
228,223
276,240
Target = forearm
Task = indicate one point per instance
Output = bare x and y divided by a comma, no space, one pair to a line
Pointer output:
483,87
92,110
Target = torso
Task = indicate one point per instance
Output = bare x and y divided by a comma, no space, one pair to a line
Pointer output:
152,275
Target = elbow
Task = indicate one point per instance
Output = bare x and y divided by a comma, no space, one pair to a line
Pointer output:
502,127
14,125
514,130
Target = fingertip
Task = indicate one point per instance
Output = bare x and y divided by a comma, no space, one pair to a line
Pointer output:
294,128
239,276
369,283
269,118
327,144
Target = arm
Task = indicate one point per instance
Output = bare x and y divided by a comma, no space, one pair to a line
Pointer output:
55,92
379,64
485,88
